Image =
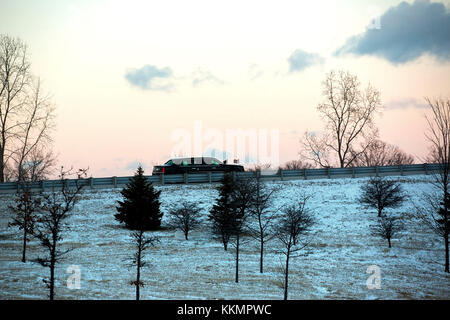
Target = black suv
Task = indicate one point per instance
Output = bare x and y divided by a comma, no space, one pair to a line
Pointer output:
195,165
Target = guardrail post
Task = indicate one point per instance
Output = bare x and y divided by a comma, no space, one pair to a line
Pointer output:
353,172
209,176
401,170
304,173
161,178
185,177
42,185
426,168
91,182
328,172
114,181
281,175
376,171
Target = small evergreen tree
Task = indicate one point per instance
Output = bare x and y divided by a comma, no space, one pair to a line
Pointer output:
140,209
222,213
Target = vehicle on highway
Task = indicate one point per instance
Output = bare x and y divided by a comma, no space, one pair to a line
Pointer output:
195,165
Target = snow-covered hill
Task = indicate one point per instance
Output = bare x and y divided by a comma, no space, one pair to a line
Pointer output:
341,250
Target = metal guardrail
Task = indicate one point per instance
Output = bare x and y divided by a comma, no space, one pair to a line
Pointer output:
212,177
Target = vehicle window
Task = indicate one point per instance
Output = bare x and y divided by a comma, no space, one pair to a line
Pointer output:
169,163
213,161
182,161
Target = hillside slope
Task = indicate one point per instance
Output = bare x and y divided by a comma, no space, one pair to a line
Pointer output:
333,267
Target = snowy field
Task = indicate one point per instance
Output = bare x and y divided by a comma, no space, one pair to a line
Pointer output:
340,251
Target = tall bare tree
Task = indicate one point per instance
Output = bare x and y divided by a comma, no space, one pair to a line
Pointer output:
436,212
34,135
348,112
26,113
14,81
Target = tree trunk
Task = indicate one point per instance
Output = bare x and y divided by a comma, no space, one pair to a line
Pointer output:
261,257
389,241
24,249
186,235
286,274
2,164
138,276
225,243
138,271
237,258
52,268
446,254
52,281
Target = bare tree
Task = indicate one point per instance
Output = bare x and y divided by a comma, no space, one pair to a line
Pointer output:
33,135
387,227
349,114
296,222
438,135
37,166
381,193
185,217
26,113
14,79
141,243
51,225
380,153
296,165
259,167
263,212
24,210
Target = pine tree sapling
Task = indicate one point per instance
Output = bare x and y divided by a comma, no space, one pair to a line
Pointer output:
140,208
26,205
185,217
387,227
222,213
381,193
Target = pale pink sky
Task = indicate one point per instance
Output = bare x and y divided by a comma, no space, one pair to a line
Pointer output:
223,63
